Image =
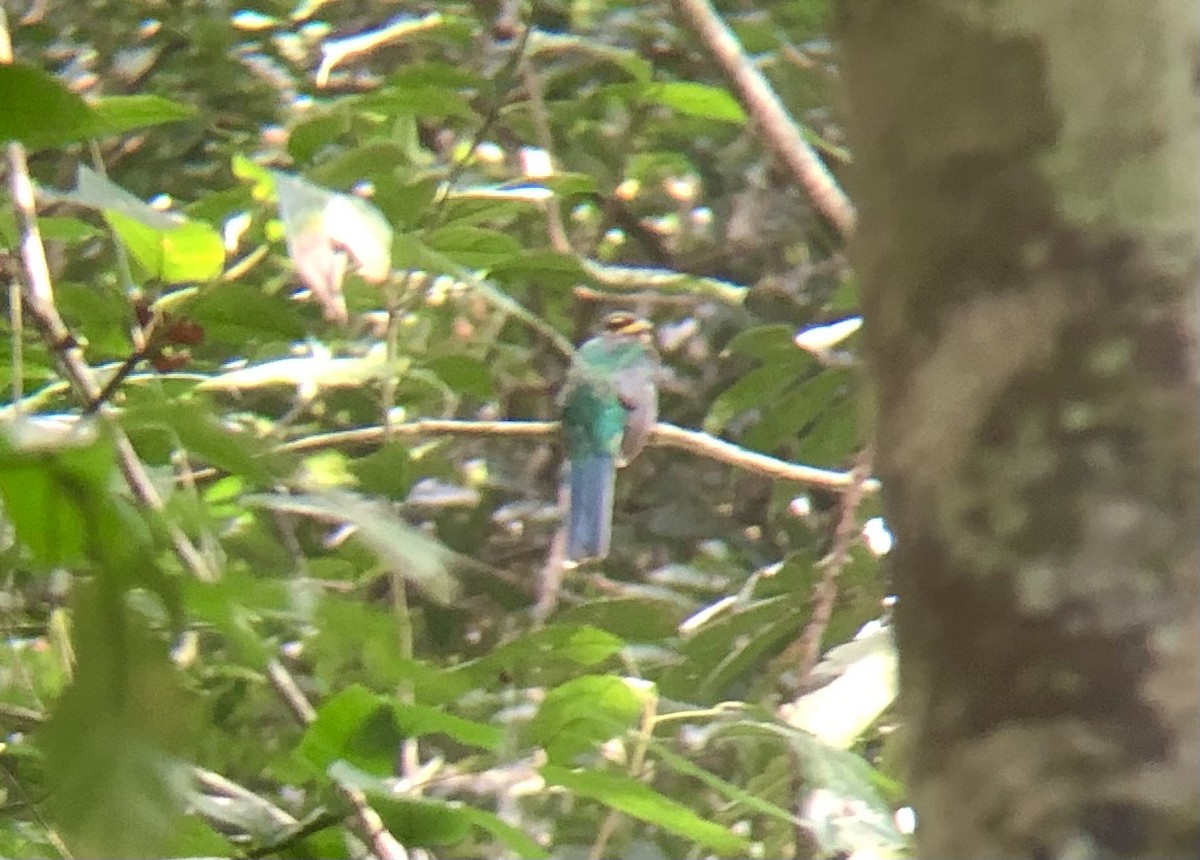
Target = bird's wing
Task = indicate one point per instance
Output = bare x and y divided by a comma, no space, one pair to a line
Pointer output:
638,394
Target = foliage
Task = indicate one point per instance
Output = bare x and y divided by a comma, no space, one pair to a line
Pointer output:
194,171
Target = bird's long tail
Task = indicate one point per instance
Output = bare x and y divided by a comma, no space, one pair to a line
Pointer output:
589,520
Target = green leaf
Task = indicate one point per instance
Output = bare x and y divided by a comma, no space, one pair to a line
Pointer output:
66,229
447,76
373,161
55,492
115,790
764,342
429,683
727,648
233,605
388,472
755,390
789,415
427,101
242,315
739,795
196,428
544,267
118,114
515,840
398,546
38,110
464,375
406,203
577,716
578,645
635,619
308,137
354,725
566,185
416,720
423,822
629,61
473,247
696,99
834,434
640,801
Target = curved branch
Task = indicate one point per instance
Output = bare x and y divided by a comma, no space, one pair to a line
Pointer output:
780,130
662,436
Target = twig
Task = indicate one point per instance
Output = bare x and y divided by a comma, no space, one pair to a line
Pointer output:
808,646
557,232
781,132
222,786
115,381
368,825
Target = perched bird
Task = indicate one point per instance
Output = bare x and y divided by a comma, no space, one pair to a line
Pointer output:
610,403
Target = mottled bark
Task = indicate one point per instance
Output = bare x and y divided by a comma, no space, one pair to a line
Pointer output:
1027,174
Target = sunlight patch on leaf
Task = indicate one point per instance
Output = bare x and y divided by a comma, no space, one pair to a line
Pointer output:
165,245
695,99
310,372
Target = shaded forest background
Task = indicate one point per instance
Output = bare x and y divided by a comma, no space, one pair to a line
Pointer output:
289,587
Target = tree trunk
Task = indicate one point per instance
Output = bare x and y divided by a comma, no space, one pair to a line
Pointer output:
1026,174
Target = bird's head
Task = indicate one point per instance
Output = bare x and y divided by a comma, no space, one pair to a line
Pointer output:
623,324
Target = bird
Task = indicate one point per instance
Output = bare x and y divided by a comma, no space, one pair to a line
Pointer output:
609,406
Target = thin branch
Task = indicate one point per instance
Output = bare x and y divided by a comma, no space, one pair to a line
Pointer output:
114,382
368,826
782,133
335,51
662,436
664,280
808,646
638,299
222,786
557,232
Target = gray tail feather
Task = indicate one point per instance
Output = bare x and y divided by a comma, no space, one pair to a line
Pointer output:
589,520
